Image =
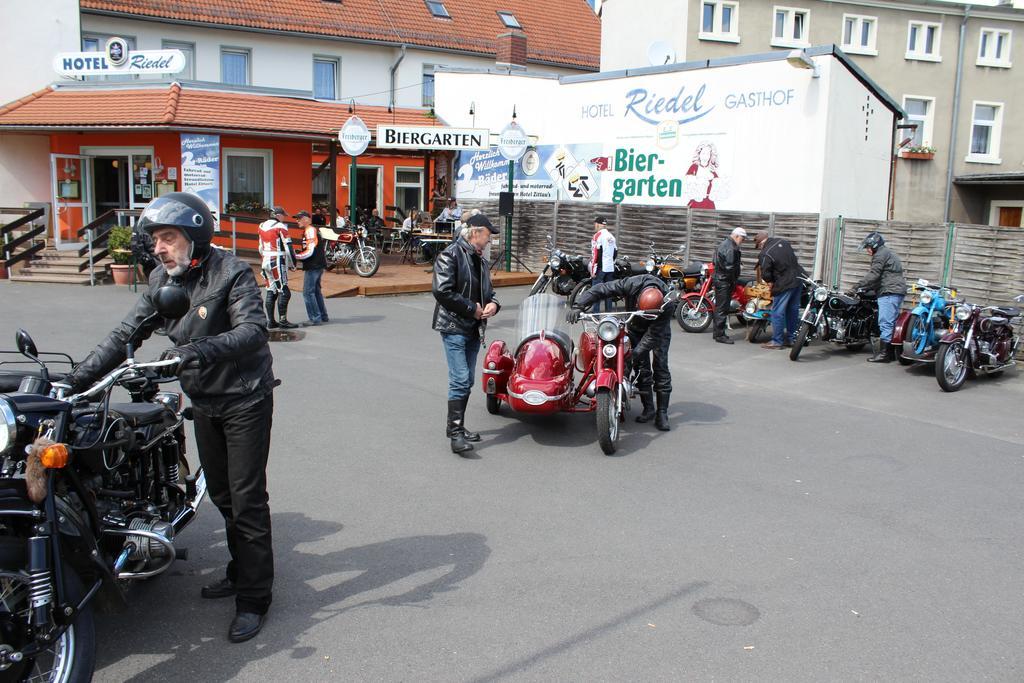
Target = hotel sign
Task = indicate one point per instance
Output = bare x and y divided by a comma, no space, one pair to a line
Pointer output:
118,60
432,137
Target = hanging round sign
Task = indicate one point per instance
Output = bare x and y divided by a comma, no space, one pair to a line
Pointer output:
354,136
512,142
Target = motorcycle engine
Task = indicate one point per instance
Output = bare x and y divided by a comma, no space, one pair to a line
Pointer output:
839,326
563,285
345,254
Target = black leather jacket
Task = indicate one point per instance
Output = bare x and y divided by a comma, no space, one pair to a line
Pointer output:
629,289
453,287
727,261
225,324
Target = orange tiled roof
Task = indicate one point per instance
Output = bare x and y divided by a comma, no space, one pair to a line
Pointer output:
175,106
565,32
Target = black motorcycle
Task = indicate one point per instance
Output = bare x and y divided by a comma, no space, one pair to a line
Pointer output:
562,272
92,496
623,268
846,319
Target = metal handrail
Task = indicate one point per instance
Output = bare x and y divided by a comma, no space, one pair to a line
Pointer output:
17,223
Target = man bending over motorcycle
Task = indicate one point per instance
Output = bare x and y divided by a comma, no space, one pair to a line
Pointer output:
225,368
642,293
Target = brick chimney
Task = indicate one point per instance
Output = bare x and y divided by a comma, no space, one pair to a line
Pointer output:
512,49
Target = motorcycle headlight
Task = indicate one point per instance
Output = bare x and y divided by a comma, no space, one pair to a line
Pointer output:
750,308
554,262
649,266
820,294
963,312
8,427
363,232
927,297
609,350
608,330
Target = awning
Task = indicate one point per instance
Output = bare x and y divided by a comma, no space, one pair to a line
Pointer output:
990,179
177,107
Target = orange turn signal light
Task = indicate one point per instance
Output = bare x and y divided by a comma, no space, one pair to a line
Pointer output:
55,456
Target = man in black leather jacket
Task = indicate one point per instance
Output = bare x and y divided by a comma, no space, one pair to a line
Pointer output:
225,368
642,292
465,300
727,271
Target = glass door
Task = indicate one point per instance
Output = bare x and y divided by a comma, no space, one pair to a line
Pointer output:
71,180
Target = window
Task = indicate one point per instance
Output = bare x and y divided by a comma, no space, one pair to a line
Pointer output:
321,185
923,41
720,21
509,20
409,188
859,34
790,27
920,110
248,176
95,42
994,48
189,50
325,78
437,9
986,127
428,85
234,66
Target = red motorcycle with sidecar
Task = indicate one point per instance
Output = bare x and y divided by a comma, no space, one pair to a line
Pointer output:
538,374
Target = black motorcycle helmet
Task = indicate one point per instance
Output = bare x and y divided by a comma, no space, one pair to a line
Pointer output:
182,210
873,241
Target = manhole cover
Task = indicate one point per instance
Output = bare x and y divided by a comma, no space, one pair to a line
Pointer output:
726,612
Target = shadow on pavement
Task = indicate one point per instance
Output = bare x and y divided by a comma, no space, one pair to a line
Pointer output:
310,589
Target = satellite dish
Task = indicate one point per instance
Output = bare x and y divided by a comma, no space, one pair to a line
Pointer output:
660,53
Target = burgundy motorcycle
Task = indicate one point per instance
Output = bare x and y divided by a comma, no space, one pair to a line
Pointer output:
982,341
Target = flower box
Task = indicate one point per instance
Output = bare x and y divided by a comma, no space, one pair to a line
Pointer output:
918,155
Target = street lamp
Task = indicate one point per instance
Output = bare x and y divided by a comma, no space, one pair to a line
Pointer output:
799,59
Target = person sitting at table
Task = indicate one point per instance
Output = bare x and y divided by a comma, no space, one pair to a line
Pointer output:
451,213
411,221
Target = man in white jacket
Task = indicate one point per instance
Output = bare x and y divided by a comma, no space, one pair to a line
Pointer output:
602,260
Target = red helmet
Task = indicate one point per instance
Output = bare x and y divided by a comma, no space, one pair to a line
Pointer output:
650,299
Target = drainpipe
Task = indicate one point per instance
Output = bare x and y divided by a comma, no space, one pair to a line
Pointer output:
394,68
956,113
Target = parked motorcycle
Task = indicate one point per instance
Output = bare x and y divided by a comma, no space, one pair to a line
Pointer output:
758,311
670,268
623,268
349,248
696,309
93,495
982,341
850,320
917,332
561,271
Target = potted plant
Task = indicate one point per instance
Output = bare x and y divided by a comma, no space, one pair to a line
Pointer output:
120,246
255,209
919,152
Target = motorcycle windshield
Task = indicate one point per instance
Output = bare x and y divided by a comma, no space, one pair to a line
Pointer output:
542,313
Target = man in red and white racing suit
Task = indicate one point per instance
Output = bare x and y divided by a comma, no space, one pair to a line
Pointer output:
278,258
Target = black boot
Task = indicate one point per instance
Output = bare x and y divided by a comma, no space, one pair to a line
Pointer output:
282,309
647,401
468,435
885,354
454,430
268,306
661,417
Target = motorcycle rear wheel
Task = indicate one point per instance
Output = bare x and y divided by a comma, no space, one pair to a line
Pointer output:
801,341
694,315
607,422
951,366
366,262
493,404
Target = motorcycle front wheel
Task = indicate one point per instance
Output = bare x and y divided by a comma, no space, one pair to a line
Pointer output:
951,366
607,421
694,315
580,288
540,285
69,659
366,262
801,340
911,339
755,329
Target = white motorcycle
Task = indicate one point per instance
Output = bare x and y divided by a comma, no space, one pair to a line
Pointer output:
349,248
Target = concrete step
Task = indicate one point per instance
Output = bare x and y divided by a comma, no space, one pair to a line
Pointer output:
34,267
63,279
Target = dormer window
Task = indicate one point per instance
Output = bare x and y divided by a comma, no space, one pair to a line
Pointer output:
438,9
509,20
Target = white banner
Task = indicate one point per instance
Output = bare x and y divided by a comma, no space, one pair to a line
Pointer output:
200,168
432,137
142,62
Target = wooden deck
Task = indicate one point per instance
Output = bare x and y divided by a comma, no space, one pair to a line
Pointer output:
393,277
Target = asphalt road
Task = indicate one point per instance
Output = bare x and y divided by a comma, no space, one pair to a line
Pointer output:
820,520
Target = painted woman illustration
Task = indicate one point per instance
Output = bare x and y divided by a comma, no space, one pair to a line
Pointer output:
704,174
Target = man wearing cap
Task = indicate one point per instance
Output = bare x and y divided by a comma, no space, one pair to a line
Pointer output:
602,258
781,269
278,258
727,264
313,265
465,300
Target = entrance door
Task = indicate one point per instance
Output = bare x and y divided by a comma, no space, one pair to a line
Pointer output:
110,180
368,190
71,183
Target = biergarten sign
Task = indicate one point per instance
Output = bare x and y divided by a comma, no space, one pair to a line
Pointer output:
354,136
432,137
117,60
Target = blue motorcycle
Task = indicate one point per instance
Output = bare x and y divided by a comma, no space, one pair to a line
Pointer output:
919,330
